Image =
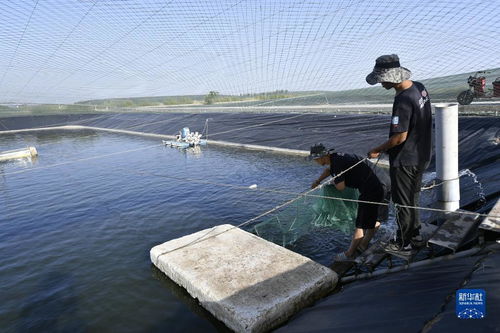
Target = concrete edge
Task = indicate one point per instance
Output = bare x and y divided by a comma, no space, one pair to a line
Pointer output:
280,313
313,294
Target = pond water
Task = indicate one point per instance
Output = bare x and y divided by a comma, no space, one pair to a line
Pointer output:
78,223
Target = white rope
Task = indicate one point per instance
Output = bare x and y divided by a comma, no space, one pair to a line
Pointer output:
299,195
307,194
201,238
424,188
349,168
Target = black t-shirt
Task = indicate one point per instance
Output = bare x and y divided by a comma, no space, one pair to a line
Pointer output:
412,113
360,177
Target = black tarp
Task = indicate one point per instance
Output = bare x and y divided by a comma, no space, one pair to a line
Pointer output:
420,299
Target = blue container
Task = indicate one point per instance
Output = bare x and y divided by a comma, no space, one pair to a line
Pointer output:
184,132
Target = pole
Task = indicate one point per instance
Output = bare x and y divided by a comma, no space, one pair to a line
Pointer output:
447,155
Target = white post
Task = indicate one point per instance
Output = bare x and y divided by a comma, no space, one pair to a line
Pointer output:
447,155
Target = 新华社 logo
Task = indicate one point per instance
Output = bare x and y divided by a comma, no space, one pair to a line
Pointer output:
470,303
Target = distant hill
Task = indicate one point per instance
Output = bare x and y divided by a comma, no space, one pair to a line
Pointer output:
440,89
194,100
144,101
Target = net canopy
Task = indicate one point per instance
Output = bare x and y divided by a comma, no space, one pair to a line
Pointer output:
67,51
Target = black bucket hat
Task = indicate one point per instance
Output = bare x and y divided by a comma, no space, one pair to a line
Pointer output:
318,151
388,69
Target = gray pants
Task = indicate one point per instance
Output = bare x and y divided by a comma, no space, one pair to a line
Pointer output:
406,182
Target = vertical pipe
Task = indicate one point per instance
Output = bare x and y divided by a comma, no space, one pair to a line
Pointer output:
447,155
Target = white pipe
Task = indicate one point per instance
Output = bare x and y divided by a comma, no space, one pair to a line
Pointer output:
382,163
447,155
18,153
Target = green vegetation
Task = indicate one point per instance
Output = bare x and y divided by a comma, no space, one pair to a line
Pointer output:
440,89
177,100
43,109
133,102
212,97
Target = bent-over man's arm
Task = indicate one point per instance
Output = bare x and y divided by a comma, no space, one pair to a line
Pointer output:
324,175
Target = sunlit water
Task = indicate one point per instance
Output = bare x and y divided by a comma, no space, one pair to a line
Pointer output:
78,222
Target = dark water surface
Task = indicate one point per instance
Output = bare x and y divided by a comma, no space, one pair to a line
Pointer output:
78,223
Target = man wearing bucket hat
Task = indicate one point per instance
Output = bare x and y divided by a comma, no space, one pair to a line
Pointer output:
361,177
408,146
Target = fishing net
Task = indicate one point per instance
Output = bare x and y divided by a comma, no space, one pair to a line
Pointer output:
338,214
307,213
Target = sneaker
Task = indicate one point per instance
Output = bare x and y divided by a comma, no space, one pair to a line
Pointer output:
397,248
342,257
417,242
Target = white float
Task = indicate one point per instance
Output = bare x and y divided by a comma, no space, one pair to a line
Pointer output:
248,283
18,153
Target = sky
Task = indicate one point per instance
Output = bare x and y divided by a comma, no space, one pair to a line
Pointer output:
65,51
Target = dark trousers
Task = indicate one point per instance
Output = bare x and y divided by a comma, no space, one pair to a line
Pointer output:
406,182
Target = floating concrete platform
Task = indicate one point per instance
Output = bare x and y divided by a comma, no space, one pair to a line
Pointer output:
248,283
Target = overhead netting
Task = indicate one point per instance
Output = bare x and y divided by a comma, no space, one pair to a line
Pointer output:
271,52
63,56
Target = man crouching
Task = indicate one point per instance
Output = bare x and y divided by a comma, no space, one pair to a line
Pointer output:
360,177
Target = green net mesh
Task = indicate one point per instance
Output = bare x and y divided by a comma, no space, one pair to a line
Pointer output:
338,214
304,214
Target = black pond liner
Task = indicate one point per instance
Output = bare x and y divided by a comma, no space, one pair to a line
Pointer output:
413,300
